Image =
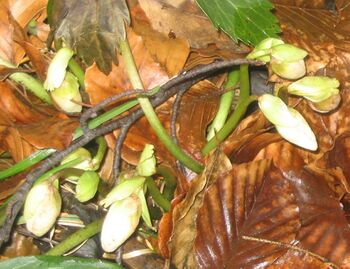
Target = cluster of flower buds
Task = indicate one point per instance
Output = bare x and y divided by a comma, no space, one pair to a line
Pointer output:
127,204
286,60
322,92
63,85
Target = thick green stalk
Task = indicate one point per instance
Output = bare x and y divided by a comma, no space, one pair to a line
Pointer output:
31,83
24,164
150,114
102,147
77,71
244,100
76,238
224,105
229,125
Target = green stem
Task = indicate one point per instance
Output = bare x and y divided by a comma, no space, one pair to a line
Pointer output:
150,114
57,169
244,101
76,238
224,105
156,195
42,154
24,164
77,71
244,81
229,125
32,84
102,147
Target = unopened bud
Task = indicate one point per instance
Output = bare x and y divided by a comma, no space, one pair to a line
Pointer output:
315,88
262,51
67,96
82,154
147,164
57,69
87,186
42,207
287,61
123,190
289,123
121,221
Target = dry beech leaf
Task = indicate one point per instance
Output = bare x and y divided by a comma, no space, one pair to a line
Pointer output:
22,11
57,132
171,53
15,107
187,21
246,202
185,213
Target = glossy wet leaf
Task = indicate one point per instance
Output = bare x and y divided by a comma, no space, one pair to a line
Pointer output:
249,21
32,262
92,28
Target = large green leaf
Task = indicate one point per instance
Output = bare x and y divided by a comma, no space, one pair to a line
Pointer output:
247,20
34,262
92,28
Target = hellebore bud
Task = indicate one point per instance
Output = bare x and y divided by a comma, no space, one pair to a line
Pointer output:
289,123
85,157
147,164
315,88
57,69
262,51
87,186
287,61
42,207
121,221
67,96
123,190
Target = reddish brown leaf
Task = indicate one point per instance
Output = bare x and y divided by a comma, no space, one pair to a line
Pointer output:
57,132
20,246
184,19
22,11
185,214
171,53
245,202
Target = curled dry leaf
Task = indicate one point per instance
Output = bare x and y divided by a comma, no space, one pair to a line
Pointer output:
186,212
22,11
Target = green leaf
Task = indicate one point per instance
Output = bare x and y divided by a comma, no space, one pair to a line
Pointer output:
34,262
247,20
92,28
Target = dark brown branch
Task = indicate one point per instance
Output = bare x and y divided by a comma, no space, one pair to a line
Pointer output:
181,82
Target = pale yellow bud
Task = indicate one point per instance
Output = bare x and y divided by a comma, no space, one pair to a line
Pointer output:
57,69
121,221
67,97
42,207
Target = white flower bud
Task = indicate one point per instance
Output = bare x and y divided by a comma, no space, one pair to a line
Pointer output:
67,96
289,123
57,69
315,88
42,207
121,221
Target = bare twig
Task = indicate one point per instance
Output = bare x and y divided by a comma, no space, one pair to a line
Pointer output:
181,82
